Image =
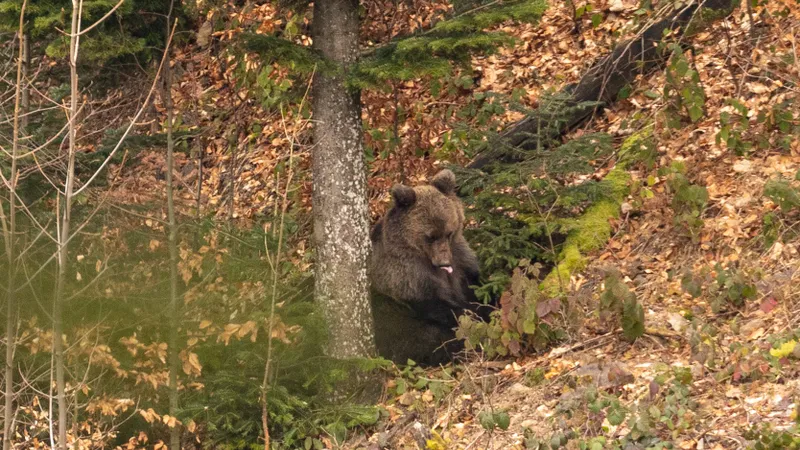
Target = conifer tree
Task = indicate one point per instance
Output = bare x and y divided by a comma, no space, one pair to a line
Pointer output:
132,33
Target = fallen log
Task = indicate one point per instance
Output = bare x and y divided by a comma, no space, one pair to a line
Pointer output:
602,83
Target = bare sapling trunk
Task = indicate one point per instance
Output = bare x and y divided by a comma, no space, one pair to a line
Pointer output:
233,145
174,298
341,223
11,301
26,91
274,264
64,230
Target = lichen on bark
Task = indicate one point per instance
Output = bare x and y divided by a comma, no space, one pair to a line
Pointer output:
341,221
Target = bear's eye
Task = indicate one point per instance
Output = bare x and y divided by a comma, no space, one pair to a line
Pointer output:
430,239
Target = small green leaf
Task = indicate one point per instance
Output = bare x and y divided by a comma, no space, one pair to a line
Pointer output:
616,415
695,113
529,326
486,420
632,320
502,420
651,94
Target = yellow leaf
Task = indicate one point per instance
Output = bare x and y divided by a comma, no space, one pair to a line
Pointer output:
205,324
784,350
191,366
149,415
246,328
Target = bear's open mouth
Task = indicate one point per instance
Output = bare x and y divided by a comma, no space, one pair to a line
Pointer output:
448,269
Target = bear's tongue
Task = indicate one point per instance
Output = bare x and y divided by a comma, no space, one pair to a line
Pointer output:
448,269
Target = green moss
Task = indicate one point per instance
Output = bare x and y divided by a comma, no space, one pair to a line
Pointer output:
638,147
619,180
588,232
571,262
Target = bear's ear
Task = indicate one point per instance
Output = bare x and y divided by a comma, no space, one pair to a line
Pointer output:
403,196
445,182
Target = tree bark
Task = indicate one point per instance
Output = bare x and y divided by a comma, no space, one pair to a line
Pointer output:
603,82
341,222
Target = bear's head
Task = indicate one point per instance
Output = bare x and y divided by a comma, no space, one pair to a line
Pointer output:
427,220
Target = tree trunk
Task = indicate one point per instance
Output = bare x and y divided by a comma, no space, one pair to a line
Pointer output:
341,223
63,238
11,301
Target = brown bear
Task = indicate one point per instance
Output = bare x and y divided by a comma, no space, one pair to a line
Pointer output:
421,271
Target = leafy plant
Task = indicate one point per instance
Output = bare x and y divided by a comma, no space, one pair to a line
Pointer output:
734,128
688,201
732,287
491,419
766,438
743,129
439,383
783,193
779,225
619,305
526,319
683,91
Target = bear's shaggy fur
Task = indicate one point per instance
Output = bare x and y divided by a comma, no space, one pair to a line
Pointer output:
421,269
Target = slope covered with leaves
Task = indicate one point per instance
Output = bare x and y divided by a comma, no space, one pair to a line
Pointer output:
705,242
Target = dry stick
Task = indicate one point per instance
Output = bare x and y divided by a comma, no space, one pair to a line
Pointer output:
174,362
233,146
200,175
26,93
11,303
396,138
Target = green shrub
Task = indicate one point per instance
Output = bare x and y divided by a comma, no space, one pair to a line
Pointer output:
783,193
765,438
683,91
526,320
732,288
619,305
689,202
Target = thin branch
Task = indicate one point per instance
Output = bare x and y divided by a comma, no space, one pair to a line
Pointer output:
134,120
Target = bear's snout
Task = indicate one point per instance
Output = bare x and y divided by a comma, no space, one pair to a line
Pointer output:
441,256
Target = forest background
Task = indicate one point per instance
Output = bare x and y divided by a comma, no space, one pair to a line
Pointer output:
157,213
